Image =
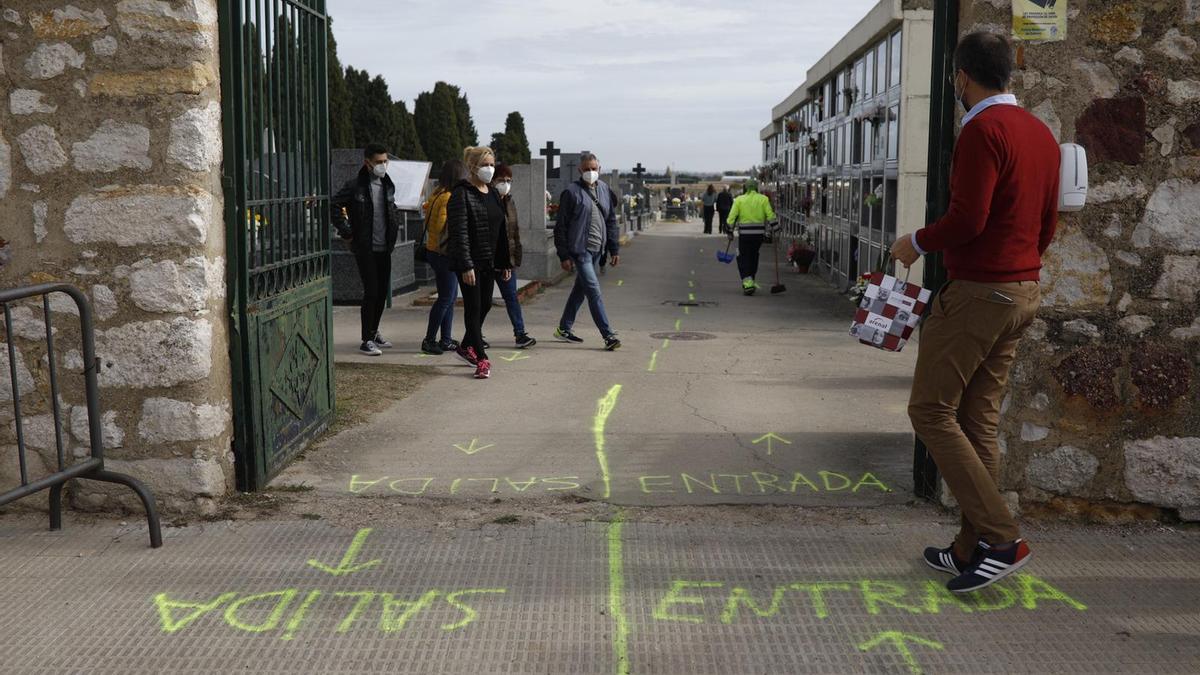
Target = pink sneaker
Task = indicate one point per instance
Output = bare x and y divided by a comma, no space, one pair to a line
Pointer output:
467,354
484,370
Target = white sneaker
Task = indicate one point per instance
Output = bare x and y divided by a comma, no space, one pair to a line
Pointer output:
370,349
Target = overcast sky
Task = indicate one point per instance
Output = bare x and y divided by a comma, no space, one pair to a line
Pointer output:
661,82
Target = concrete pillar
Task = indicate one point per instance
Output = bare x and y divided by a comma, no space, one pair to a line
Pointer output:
529,191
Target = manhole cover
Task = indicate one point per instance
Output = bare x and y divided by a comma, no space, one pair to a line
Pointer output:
690,303
683,335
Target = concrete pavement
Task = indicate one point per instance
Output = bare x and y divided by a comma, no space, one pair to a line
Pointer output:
563,517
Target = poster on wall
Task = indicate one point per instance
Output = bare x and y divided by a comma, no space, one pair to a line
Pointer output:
410,179
1039,20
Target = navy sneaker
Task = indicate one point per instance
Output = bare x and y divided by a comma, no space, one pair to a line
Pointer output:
524,341
450,345
990,565
566,336
611,343
944,560
431,347
381,342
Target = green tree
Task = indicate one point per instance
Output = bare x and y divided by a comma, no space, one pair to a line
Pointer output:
405,144
437,124
518,142
371,108
462,112
341,128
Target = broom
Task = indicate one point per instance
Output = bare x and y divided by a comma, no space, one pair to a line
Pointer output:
778,287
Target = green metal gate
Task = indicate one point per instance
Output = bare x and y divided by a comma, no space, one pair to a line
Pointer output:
276,179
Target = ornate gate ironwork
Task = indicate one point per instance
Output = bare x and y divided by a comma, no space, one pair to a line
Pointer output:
276,179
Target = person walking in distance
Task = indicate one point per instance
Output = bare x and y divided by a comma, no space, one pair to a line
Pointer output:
364,213
1001,219
441,315
710,208
751,215
478,249
502,182
724,203
585,229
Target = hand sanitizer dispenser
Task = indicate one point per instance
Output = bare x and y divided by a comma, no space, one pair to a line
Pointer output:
1072,177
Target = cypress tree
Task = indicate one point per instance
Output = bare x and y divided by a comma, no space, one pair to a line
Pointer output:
518,142
405,144
341,129
437,125
462,111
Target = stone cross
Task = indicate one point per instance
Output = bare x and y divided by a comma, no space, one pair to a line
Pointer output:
550,152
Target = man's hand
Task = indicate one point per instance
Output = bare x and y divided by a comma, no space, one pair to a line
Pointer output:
568,265
469,277
904,251
505,275
614,260
729,233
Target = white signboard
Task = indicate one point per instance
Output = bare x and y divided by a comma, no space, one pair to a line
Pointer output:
410,179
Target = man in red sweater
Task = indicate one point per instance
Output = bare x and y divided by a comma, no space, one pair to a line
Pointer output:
1002,216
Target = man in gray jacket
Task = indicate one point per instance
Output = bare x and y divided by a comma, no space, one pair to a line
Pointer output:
586,228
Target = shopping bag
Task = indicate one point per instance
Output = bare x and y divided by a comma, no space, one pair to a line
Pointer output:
889,311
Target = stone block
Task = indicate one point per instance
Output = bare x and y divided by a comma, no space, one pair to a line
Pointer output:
111,434
1100,77
49,60
1180,279
1183,92
67,23
1063,471
41,150
37,431
172,480
1136,325
27,325
141,215
29,102
1130,259
104,302
190,80
1032,433
1045,112
1076,272
114,146
1176,45
40,211
166,286
105,46
5,167
196,138
187,24
1118,25
1113,130
155,353
12,16
1116,190
1188,332
10,472
166,420
1130,55
1169,219
1164,471
24,377
1079,331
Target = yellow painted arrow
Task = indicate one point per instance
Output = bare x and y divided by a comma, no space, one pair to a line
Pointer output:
620,282
770,438
515,356
346,566
678,323
899,640
691,284
474,447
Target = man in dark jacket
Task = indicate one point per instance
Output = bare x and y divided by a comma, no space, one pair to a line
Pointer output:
364,214
586,228
724,206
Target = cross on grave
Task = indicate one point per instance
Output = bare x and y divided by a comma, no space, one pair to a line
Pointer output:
567,170
550,152
637,173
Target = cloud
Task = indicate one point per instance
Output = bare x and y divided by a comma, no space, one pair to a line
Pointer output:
650,81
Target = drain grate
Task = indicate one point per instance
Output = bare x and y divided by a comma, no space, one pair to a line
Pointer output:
683,335
690,303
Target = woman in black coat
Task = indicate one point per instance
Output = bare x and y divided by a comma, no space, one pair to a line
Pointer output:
478,248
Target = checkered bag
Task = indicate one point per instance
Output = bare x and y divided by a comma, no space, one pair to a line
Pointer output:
889,311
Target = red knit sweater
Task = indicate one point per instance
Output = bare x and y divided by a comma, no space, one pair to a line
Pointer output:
1003,199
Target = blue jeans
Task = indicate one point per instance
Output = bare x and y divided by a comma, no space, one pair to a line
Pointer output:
508,290
587,285
441,315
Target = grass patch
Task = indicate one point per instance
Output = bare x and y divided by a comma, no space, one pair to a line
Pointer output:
291,488
507,520
310,516
365,389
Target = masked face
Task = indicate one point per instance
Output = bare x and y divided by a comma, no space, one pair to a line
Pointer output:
485,173
504,187
960,92
377,165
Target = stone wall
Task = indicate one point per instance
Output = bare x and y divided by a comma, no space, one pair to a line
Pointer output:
1105,399
110,152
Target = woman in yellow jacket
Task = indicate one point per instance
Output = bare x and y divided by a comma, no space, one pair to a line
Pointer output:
441,315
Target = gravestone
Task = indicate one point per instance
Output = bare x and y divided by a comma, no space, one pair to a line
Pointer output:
347,286
550,152
537,240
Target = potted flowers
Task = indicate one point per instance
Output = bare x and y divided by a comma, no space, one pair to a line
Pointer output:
793,130
800,255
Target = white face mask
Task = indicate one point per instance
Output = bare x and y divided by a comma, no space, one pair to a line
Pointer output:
503,187
380,170
590,177
485,173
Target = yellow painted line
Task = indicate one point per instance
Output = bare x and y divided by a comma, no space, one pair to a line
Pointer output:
687,310
653,362
666,343
620,282
616,593
691,297
691,284
604,408
678,323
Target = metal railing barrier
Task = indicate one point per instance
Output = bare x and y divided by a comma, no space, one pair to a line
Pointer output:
92,467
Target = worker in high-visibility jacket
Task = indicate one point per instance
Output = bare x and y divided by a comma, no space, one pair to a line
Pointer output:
753,217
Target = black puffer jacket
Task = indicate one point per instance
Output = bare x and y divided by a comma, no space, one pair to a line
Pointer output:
471,240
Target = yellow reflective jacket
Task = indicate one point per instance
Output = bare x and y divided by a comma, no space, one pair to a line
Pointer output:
751,213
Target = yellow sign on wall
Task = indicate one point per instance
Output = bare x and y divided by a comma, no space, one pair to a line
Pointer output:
1039,20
